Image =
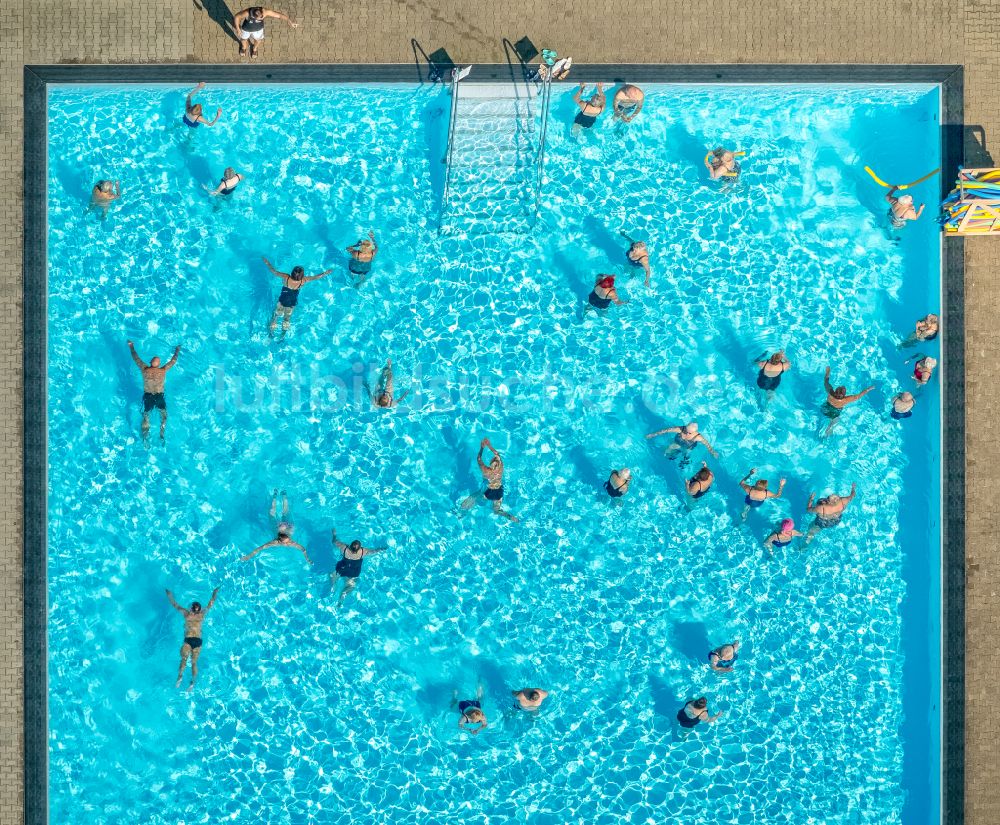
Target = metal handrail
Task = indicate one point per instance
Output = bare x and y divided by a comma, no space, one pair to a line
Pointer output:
546,97
456,76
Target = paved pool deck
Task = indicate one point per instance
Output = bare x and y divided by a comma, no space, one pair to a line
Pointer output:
593,31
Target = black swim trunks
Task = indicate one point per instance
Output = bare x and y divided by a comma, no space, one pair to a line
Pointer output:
586,121
598,302
494,493
359,267
153,399
192,642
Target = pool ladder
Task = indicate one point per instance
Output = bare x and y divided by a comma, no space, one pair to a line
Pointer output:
494,176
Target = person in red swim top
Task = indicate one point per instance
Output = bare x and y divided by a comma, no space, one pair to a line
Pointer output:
924,369
603,294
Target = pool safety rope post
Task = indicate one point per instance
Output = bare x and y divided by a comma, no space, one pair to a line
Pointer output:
973,206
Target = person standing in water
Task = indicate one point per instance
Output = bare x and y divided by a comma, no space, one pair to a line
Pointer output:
772,367
700,483
249,26
230,180
349,565
362,254
193,111
153,379
103,193
603,295
627,103
589,108
471,711
383,394
721,163
924,369
926,329
694,712
638,255
836,399
828,511
686,438
493,473
289,297
722,659
530,698
783,536
902,405
758,493
901,209
193,620
284,528
618,483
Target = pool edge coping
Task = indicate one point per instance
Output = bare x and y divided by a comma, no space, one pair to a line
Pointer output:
37,78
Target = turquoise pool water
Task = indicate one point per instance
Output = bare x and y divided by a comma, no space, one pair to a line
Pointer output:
304,712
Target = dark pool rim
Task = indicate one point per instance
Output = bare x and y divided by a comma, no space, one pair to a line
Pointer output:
35,320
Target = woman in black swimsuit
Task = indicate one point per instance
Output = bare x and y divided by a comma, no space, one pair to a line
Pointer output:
349,566
694,712
701,482
603,294
289,296
771,369
617,485
230,180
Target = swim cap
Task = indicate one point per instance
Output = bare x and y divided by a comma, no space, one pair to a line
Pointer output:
285,528
787,525
607,283
930,362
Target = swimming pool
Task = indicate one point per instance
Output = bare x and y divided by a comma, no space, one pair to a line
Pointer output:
306,713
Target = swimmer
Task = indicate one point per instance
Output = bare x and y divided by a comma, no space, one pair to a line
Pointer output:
902,405
289,296
828,511
701,482
638,255
603,294
686,438
694,712
758,493
193,619
193,111
230,180
362,254
923,370
589,108
619,482
783,536
722,659
772,367
349,565
153,379
901,209
530,698
284,528
493,473
249,25
722,163
926,329
627,103
104,192
836,399
383,394
471,710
